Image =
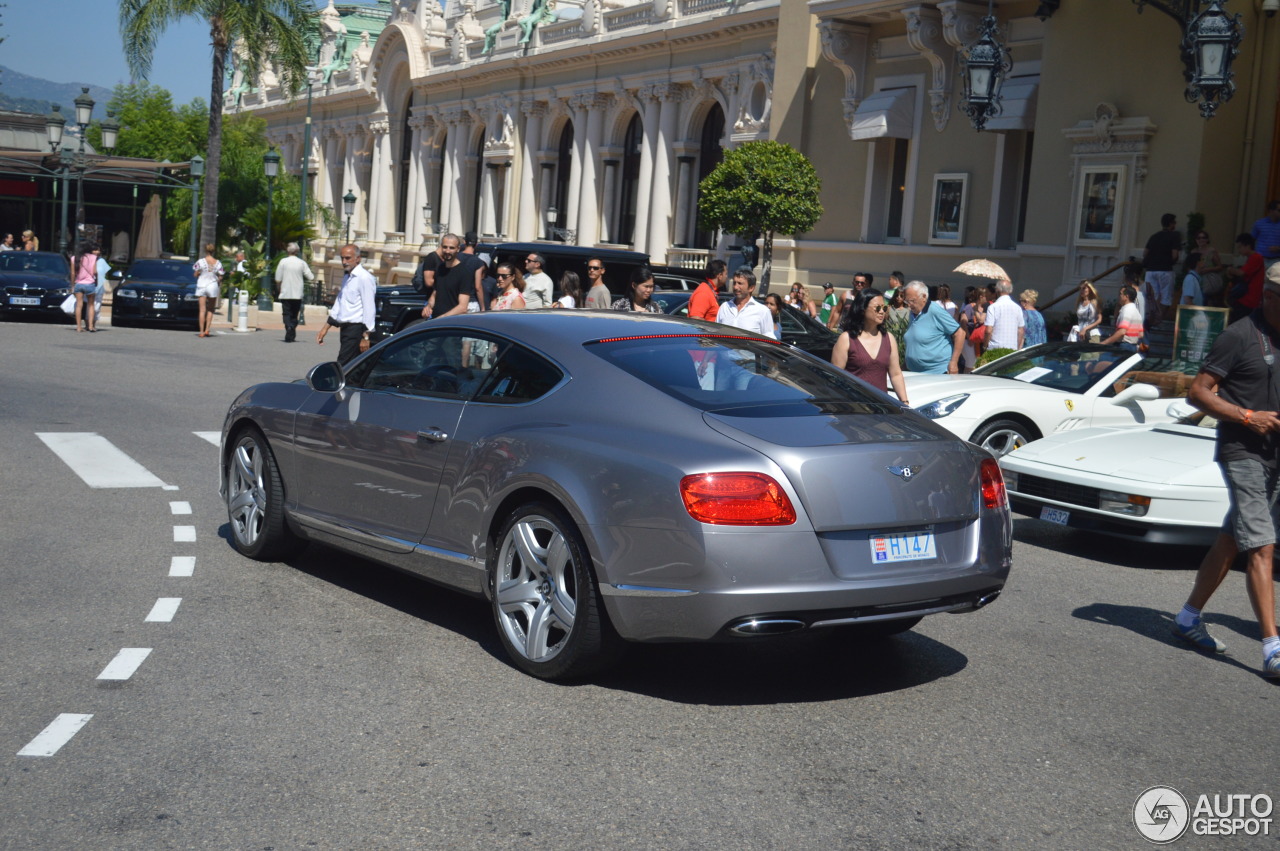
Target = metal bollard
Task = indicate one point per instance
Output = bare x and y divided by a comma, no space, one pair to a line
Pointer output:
231,306
243,325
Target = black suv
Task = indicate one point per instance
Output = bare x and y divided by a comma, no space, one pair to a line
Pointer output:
398,306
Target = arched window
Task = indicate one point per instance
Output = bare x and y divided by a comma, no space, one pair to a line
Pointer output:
709,155
564,164
629,182
404,169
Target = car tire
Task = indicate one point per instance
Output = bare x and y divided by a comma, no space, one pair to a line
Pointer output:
546,605
1000,437
255,500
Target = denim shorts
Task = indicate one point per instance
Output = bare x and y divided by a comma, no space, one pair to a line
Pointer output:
1252,489
86,288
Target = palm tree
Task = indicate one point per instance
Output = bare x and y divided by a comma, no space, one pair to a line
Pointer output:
268,30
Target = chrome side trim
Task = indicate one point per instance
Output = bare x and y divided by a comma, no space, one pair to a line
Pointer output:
643,591
454,558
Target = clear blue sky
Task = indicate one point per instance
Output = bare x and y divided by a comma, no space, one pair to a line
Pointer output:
78,41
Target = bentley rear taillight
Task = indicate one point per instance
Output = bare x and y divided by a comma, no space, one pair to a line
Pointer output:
736,499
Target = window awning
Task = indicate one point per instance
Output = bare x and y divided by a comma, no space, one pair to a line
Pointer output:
887,114
1018,105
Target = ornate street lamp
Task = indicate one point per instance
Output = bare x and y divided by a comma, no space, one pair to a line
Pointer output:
110,131
270,167
312,78
196,172
54,123
985,64
348,207
1211,43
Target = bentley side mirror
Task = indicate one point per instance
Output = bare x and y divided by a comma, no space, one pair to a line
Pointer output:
326,378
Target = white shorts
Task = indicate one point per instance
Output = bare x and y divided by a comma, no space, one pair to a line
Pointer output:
207,290
1162,284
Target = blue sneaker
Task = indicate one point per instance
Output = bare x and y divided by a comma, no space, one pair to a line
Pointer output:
1199,637
1271,667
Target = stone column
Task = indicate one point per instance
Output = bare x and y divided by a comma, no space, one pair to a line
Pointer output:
594,105
547,195
609,202
660,196
488,198
575,167
684,199
378,184
644,181
527,221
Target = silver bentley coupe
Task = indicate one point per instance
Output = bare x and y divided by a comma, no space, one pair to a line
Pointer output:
603,477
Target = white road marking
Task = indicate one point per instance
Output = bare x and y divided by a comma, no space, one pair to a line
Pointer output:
184,534
170,488
182,565
164,610
57,734
214,437
179,508
126,662
97,461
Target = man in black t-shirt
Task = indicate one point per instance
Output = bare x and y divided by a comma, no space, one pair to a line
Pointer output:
456,280
1239,385
1158,258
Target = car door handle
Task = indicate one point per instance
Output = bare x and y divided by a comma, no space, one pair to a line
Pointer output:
434,434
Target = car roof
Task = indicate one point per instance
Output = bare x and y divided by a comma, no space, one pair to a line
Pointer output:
560,330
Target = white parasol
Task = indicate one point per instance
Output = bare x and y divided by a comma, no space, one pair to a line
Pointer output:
982,269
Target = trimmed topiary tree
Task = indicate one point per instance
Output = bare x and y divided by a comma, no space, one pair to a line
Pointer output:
761,187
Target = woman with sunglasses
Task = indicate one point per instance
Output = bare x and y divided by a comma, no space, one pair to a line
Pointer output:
1212,282
510,289
864,349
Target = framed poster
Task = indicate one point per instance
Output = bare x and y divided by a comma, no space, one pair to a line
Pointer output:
950,192
1194,331
1100,205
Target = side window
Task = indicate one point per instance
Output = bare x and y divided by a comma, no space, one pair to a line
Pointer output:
518,375
792,325
448,365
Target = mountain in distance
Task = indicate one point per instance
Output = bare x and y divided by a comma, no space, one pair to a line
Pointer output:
22,93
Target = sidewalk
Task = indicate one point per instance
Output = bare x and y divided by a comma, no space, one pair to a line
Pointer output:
270,320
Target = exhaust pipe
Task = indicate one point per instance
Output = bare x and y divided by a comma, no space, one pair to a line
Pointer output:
752,627
985,599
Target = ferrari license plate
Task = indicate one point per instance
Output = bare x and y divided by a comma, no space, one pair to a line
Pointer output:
1055,515
902,546
24,300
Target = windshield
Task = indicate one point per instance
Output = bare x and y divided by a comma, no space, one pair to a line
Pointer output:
742,376
24,261
162,271
1070,367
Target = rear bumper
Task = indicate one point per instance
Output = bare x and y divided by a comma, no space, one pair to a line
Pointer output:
1105,523
44,311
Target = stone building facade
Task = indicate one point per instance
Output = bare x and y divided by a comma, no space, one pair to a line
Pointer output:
595,120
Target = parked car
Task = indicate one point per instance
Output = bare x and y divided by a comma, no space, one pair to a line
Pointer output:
570,467
1006,404
33,284
158,292
799,329
1155,483
398,306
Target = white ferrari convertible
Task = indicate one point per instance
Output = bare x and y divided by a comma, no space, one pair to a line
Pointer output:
1157,484
1046,389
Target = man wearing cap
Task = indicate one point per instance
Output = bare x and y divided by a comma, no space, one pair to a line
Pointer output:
1239,386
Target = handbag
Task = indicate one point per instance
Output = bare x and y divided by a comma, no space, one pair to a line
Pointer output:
69,305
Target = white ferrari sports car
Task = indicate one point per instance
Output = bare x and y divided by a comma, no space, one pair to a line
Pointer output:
1049,388
1157,483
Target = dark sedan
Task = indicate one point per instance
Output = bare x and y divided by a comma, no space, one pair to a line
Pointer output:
798,329
33,283
156,291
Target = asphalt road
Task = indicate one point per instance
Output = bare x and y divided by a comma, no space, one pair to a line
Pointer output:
331,703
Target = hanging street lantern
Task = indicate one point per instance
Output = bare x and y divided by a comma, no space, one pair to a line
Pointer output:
985,65
1212,41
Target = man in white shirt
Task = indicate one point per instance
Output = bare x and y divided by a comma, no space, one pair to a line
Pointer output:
1006,323
743,311
537,283
353,311
291,272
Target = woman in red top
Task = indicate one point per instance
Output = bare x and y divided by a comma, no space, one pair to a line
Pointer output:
864,349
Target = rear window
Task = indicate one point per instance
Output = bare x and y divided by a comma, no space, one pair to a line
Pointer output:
742,377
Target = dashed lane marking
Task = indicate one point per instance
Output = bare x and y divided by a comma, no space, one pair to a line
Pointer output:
182,565
184,534
97,461
57,734
125,664
179,508
164,610
214,437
